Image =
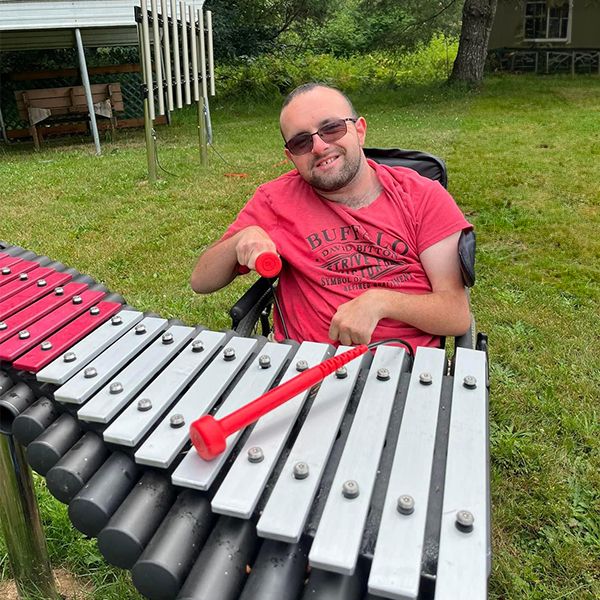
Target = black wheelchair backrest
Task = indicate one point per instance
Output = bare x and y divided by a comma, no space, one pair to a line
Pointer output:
432,167
423,163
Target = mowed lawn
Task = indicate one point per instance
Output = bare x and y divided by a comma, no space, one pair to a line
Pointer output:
524,162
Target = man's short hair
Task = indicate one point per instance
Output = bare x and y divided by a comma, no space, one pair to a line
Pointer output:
307,87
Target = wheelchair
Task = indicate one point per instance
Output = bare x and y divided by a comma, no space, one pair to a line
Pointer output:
250,315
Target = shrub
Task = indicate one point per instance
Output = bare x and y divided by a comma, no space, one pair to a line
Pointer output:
269,76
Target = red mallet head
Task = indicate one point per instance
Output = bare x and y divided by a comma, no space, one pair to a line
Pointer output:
208,437
268,264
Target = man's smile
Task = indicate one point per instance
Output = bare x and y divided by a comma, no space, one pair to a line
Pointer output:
324,163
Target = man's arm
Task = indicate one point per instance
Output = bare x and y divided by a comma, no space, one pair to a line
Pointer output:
218,264
443,311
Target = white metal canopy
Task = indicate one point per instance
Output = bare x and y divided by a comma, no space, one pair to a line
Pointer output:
46,24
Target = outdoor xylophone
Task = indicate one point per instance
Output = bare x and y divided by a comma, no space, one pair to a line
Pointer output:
374,485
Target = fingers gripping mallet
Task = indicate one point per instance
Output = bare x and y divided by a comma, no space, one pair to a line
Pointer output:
268,264
209,435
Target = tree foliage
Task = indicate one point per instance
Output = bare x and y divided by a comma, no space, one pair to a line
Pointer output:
343,28
394,24
252,27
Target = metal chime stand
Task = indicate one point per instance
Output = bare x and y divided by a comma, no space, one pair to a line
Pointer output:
186,46
20,519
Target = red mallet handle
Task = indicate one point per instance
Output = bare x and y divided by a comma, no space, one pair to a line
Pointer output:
209,435
268,264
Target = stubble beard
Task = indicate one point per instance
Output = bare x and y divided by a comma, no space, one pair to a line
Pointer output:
332,182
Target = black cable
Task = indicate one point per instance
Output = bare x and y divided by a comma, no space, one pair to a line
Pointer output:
212,147
154,138
410,349
279,312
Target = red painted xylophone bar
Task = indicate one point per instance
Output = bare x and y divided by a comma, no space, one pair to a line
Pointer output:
45,309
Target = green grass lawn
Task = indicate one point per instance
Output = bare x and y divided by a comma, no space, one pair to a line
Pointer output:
524,162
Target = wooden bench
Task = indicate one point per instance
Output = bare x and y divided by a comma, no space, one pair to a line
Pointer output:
66,103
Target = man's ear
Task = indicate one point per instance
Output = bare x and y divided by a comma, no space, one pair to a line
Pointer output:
288,155
361,130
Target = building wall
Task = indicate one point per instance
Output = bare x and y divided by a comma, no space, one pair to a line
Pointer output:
507,31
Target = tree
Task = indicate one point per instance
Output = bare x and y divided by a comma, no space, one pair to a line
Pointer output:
393,25
478,17
253,27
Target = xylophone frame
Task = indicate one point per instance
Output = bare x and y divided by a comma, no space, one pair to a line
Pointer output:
150,525
21,524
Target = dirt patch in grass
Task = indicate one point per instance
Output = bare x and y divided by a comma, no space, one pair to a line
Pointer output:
68,585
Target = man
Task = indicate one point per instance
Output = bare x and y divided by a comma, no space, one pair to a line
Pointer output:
369,252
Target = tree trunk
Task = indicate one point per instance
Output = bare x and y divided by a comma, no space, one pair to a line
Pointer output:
477,19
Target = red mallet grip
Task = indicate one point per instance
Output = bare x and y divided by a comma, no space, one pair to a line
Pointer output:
209,435
268,264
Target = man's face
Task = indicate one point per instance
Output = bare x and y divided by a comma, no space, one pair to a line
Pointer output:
329,166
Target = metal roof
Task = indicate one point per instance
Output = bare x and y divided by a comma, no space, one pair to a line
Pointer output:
50,14
26,25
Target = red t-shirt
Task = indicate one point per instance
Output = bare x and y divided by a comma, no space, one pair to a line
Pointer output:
332,253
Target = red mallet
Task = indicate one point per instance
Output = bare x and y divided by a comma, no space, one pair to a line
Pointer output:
209,435
268,264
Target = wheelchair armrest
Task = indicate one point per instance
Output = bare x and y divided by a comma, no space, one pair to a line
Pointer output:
466,253
258,294
467,339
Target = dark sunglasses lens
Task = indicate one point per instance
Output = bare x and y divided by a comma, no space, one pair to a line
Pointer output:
333,131
330,132
300,144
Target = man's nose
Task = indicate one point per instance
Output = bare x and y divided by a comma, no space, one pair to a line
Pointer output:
318,144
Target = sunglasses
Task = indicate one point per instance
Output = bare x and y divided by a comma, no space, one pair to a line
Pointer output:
330,132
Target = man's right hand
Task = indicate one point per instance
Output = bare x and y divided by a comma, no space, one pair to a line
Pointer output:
250,243
219,264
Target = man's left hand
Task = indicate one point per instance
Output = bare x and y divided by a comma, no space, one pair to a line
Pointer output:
355,321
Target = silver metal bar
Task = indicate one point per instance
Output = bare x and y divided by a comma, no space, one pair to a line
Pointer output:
211,62
22,526
396,568
185,54
288,507
463,556
88,91
79,355
201,34
242,488
209,131
199,474
204,127
85,383
147,60
3,127
157,64
133,424
194,52
167,46
150,147
165,442
175,31
337,542
103,407
202,137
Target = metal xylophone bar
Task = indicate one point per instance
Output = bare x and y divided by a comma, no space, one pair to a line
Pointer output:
372,481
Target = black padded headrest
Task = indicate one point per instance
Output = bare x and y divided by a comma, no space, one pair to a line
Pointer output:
423,163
